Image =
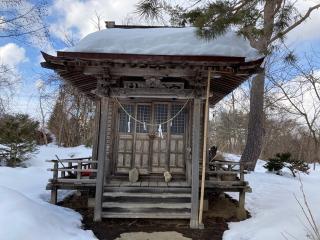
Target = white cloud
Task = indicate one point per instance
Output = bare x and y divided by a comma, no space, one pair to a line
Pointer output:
12,55
308,30
77,16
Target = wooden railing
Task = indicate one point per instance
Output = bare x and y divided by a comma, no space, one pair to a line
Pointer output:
73,172
220,168
74,168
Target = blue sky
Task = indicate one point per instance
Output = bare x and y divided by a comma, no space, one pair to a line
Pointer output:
76,19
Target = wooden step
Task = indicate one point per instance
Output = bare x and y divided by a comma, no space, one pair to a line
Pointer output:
148,189
147,195
146,205
150,215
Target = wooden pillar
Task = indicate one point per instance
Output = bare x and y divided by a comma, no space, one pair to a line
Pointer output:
194,223
96,132
104,102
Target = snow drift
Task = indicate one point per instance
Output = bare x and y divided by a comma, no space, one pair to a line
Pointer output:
24,218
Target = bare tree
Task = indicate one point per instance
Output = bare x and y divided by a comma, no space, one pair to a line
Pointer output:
40,85
97,21
8,81
299,84
21,19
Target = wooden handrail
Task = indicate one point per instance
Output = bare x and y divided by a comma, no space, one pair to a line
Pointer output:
72,161
73,170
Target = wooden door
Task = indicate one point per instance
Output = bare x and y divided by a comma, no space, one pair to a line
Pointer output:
145,147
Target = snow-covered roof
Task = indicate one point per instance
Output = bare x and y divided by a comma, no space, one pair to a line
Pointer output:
164,41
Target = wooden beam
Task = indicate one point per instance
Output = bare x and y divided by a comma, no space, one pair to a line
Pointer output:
104,102
152,93
194,223
140,72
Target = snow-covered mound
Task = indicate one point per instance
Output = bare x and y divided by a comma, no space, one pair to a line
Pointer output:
275,212
24,210
164,41
24,218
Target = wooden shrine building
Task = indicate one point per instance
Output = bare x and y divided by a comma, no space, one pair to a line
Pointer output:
149,85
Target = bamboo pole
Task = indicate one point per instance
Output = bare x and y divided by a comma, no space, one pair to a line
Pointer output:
204,150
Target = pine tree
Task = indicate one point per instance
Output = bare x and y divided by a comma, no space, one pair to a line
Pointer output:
17,135
263,23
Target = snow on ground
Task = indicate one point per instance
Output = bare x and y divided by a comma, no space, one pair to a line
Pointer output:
274,210
26,214
164,41
24,210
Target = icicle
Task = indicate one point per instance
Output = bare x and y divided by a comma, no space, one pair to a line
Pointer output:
171,123
129,124
144,126
160,131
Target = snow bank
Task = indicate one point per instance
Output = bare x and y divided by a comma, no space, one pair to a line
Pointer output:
24,212
23,218
275,212
164,41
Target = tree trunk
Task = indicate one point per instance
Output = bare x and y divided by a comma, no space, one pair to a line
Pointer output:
256,131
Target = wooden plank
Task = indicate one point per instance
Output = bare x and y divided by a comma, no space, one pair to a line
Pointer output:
72,161
101,158
69,159
152,215
153,184
152,93
73,180
195,164
145,205
73,170
162,184
147,195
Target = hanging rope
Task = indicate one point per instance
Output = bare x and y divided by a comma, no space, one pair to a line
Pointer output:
152,124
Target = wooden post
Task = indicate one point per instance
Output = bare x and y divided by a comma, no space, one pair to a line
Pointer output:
204,149
54,190
79,168
96,133
101,158
70,167
241,211
195,163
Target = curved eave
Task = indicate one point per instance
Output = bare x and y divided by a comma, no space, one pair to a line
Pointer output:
233,70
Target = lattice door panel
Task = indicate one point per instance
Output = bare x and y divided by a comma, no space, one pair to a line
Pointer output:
177,140
142,139
125,140
160,142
